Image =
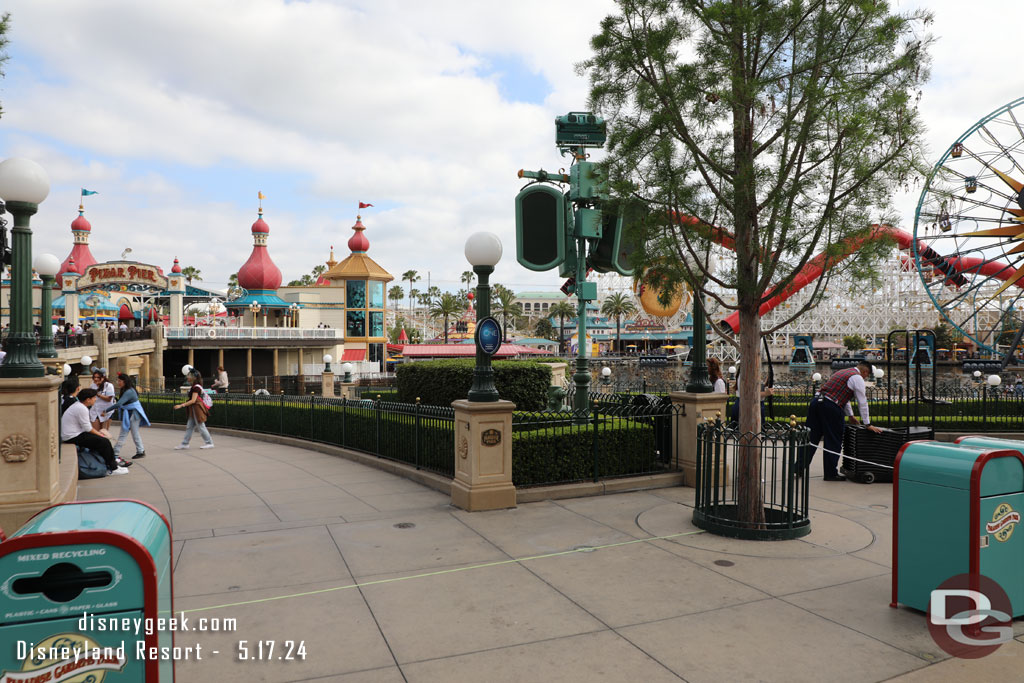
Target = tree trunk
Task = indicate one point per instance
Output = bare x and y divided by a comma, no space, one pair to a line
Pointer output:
618,335
749,493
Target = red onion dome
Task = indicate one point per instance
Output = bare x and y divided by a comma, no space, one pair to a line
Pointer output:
260,225
259,272
358,241
177,267
81,223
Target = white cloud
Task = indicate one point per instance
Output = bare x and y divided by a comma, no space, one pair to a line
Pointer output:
385,101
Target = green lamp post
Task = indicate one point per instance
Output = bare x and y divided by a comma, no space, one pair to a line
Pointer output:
700,381
23,186
483,251
47,266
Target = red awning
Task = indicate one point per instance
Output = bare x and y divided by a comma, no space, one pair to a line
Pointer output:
353,354
125,313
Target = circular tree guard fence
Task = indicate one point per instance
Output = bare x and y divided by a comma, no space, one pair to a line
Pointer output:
779,488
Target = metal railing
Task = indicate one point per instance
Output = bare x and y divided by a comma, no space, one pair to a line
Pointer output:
218,332
612,441
418,435
783,493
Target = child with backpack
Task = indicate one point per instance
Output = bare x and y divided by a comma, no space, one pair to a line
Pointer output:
198,404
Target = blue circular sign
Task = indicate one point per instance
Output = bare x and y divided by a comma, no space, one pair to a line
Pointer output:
488,335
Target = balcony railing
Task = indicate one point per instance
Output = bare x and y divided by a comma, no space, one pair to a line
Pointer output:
328,333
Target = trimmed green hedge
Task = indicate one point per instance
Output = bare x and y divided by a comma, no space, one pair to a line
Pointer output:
380,428
565,453
439,382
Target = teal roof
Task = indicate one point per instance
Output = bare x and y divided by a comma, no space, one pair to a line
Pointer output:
265,298
535,340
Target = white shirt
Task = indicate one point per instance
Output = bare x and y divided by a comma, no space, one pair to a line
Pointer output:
75,421
719,386
104,398
856,384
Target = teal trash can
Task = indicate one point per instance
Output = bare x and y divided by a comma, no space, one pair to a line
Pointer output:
955,510
77,580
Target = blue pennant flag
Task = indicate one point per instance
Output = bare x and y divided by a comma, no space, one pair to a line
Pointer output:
86,193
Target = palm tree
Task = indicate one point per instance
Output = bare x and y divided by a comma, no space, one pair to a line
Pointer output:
318,271
191,273
505,305
411,277
563,309
467,278
434,292
395,293
414,295
445,306
618,305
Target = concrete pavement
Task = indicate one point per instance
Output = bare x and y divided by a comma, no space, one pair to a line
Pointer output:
382,580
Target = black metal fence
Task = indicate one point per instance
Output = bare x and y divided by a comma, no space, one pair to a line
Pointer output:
418,435
612,441
783,492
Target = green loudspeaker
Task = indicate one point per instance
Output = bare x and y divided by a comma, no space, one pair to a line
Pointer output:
612,252
540,227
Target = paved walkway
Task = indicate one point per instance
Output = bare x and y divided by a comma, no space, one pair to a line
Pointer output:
432,593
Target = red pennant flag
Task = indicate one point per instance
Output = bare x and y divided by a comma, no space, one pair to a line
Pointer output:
364,206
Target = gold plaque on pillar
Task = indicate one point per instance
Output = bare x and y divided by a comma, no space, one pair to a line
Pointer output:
490,437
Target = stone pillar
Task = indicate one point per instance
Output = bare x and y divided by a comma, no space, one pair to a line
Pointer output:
483,456
691,410
327,384
156,359
220,358
557,373
69,288
277,369
30,468
101,341
176,292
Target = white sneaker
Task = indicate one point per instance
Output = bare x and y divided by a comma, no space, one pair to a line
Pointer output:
181,447
206,445
120,470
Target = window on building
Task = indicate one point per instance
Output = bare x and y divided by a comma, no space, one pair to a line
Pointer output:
355,294
545,307
376,294
376,324
376,355
355,323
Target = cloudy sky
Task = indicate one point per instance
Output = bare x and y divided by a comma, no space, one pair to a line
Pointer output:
177,113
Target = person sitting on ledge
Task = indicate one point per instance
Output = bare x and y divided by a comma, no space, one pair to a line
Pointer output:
76,428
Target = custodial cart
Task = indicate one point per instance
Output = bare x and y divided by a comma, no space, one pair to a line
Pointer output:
110,559
955,511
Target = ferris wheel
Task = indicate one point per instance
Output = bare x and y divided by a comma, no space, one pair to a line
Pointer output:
969,231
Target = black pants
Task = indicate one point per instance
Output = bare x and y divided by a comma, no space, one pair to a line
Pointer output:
97,444
825,419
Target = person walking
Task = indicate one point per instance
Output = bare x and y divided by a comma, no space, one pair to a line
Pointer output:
197,412
132,416
77,428
825,415
104,399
